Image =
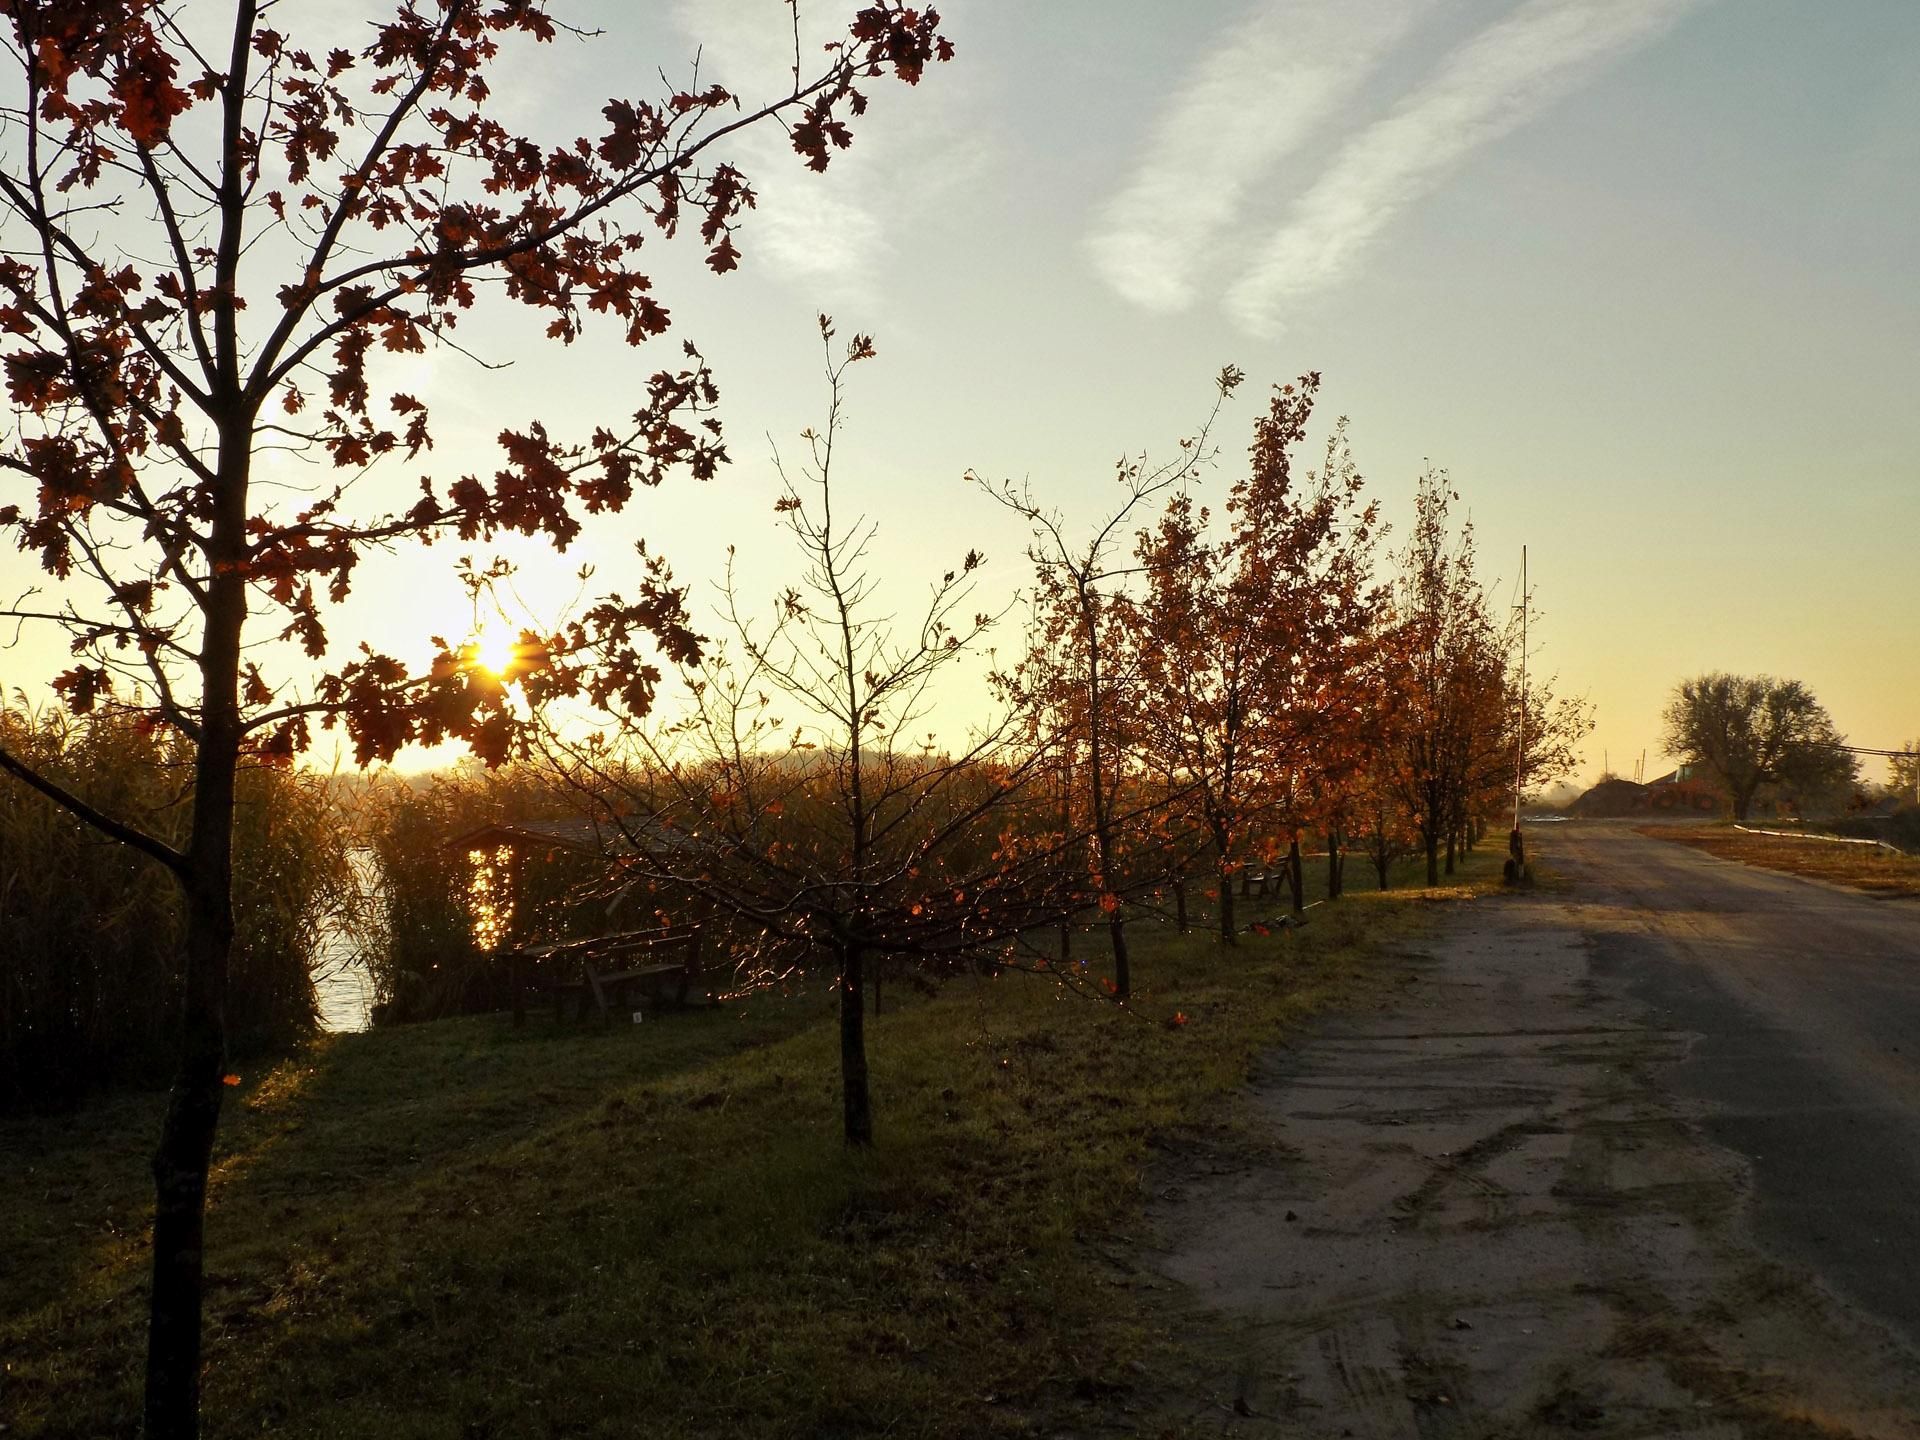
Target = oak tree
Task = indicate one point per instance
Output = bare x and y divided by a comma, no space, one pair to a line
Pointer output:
1457,752
1904,773
1075,677
1245,643
1441,632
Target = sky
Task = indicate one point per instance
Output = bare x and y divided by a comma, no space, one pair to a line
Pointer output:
1642,275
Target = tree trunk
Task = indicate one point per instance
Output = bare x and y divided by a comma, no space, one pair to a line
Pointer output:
1102,820
856,1104
1433,857
1066,829
180,1165
1228,934
1117,931
1334,863
185,1151
1452,843
1742,805
1381,863
1180,903
1296,879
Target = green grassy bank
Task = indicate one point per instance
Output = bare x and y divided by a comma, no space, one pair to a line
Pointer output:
460,1230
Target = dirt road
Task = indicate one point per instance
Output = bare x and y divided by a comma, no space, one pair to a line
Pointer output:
1639,1157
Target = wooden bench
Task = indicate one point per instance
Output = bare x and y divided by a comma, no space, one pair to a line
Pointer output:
607,972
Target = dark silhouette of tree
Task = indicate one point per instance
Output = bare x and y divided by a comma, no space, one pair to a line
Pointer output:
1904,777
213,238
1754,730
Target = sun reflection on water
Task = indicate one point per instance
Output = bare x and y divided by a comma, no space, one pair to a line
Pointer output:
490,896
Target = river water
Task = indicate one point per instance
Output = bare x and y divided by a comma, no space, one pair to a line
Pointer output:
345,993
341,984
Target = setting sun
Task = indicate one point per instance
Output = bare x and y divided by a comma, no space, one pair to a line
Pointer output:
495,651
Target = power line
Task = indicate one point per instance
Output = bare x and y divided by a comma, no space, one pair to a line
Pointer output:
1858,749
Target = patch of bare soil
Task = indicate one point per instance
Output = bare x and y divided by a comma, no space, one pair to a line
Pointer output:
1471,1213
1860,867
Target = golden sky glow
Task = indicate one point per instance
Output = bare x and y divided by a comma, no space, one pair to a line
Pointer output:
1640,273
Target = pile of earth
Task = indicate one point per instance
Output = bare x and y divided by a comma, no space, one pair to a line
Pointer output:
1611,797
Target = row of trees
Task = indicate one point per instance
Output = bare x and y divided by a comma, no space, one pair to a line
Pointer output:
1194,697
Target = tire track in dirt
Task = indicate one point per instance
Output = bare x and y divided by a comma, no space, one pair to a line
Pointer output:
1473,1212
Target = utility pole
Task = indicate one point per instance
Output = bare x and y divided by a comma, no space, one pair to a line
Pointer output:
1516,868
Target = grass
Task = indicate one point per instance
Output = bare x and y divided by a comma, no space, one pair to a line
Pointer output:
1862,867
460,1230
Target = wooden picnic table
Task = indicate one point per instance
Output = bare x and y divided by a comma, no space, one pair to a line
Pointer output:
607,972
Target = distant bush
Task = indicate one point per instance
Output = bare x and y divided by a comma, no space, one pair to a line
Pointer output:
1901,829
90,931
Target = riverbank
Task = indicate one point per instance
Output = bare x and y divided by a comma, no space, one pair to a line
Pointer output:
460,1229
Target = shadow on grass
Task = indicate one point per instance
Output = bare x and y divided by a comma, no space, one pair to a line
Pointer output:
459,1229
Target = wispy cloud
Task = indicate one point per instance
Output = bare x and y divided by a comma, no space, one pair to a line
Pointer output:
1489,86
822,231
1267,84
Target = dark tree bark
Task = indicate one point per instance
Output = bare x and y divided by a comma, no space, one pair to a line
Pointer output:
856,1103
180,1165
1103,839
1223,873
1229,933
1296,876
185,1152
1066,828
